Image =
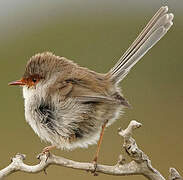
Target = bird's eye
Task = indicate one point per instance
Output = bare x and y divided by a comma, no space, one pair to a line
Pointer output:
34,80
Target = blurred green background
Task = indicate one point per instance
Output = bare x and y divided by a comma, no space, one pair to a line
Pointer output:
94,34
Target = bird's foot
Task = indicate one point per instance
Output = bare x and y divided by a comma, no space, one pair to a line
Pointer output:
94,171
46,151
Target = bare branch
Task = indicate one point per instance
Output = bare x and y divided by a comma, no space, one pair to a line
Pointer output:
174,175
139,157
18,165
140,164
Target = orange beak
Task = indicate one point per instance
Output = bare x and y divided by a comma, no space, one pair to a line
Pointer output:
18,82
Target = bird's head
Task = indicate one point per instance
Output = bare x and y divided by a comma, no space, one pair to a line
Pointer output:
40,69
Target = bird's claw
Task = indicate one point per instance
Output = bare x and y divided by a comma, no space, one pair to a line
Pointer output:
46,151
94,171
48,154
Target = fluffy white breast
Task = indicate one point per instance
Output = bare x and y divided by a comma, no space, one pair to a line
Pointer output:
32,100
30,104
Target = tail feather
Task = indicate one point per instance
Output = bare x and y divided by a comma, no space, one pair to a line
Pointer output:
151,34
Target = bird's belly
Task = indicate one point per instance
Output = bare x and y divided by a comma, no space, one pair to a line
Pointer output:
43,132
107,114
83,123
58,140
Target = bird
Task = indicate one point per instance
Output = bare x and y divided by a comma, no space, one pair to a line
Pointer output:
70,106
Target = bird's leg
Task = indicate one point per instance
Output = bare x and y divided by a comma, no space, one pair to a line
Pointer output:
98,148
46,151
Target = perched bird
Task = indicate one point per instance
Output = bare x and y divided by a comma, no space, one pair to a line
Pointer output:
69,106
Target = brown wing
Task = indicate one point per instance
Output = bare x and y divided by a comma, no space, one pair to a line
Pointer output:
84,91
87,86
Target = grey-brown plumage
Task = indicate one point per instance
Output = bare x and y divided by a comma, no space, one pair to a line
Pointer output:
69,102
67,105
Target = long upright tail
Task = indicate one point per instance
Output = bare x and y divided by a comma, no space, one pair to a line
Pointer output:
151,34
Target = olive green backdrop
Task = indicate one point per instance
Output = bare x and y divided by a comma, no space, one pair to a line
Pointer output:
94,34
